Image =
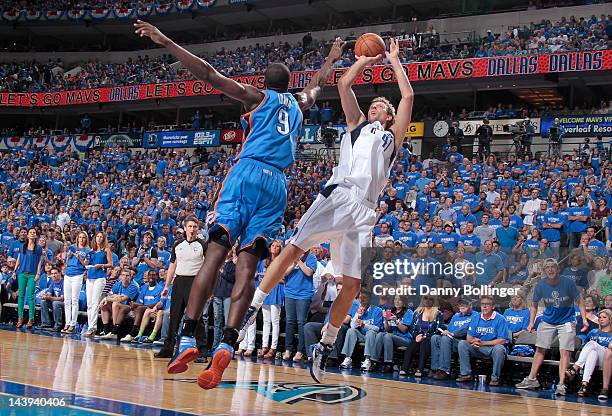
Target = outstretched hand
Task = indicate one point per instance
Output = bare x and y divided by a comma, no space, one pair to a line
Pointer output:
335,53
367,60
393,50
147,29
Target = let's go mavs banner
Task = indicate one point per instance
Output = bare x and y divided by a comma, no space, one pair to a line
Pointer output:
205,138
581,126
523,65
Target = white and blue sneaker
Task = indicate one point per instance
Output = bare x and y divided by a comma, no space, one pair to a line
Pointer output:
319,353
249,318
187,352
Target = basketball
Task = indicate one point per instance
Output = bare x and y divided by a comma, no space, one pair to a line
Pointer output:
370,45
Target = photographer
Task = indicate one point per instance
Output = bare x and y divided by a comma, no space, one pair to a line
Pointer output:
556,133
484,132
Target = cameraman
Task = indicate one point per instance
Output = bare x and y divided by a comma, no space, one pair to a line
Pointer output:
527,136
585,151
556,133
456,135
484,133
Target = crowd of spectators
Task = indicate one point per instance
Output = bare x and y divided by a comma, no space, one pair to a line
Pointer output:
512,216
571,34
65,5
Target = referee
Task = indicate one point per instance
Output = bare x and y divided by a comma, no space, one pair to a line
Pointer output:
186,259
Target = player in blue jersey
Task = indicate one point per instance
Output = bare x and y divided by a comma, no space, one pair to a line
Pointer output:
251,202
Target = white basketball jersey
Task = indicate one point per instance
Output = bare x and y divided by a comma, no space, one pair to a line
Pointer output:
366,155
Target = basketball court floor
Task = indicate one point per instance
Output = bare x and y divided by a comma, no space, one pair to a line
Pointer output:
47,374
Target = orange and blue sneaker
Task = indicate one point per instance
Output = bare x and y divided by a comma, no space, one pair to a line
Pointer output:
187,352
221,359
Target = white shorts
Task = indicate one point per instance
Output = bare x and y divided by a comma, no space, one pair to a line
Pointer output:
343,221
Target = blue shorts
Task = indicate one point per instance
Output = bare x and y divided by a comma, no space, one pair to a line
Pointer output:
251,203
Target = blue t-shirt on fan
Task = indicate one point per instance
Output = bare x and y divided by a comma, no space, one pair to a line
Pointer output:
74,267
558,299
490,329
602,338
299,286
518,319
97,257
150,295
459,321
406,319
131,291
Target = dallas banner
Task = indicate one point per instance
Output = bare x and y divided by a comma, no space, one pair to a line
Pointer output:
417,71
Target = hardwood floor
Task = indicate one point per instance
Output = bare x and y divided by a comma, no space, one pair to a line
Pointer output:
100,377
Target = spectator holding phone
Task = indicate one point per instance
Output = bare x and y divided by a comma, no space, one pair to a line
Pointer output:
396,333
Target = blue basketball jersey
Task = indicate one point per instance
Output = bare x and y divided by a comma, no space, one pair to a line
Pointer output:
272,129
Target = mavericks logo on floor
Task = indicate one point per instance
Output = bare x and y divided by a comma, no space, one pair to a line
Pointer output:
292,393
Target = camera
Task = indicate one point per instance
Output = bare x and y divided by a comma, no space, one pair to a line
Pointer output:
513,128
328,136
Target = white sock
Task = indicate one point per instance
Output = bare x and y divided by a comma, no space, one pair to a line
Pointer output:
258,298
329,336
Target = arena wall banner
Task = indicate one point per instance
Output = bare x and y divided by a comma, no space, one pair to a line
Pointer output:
522,65
83,142
205,138
14,142
232,136
581,126
38,142
416,129
312,134
60,142
469,126
118,139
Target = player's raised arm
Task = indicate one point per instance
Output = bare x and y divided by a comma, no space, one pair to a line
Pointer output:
248,95
350,106
404,109
308,96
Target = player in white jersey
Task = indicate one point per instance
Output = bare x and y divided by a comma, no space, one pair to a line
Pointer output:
343,213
